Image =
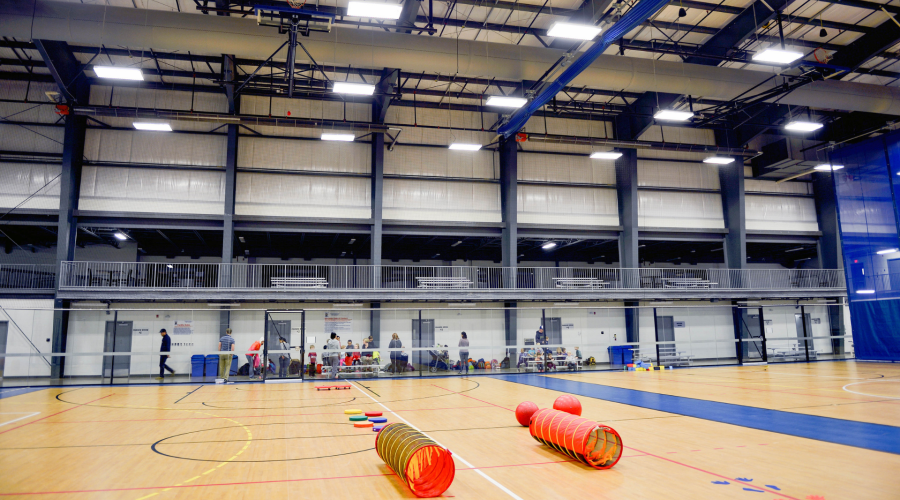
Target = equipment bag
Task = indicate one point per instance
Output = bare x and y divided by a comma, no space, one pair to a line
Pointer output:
244,370
505,363
590,361
294,368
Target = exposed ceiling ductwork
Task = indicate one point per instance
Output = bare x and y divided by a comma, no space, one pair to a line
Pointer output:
141,28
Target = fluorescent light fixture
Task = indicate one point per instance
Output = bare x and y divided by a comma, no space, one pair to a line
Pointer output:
156,127
718,160
548,245
803,126
826,167
170,266
457,243
341,306
506,102
777,56
461,304
574,31
211,304
606,155
241,238
889,250
120,236
118,73
673,116
338,137
352,241
374,9
353,88
465,147
865,291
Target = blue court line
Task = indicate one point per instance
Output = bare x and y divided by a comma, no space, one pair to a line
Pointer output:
876,437
11,392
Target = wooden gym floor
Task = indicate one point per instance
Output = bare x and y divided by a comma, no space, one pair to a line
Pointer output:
729,432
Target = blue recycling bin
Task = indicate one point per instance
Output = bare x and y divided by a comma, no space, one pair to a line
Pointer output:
619,355
212,365
197,363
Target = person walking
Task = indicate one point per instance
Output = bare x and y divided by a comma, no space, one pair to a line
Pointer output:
463,354
165,347
334,355
254,349
284,359
395,355
226,343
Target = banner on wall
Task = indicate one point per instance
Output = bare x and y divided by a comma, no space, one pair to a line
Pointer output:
338,323
184,327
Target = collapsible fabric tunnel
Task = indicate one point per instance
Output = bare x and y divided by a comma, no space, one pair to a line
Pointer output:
425,467
584,440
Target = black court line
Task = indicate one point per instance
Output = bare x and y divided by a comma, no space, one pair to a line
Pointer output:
188,394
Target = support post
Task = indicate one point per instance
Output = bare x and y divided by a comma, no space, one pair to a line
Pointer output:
509,173
829,247
384,90
626,191
229,75
512,329
731,184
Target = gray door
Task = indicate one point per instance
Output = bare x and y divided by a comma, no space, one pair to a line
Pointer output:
894,273
750,329
665,332
4,327
117,339
422,336
553,328
802,341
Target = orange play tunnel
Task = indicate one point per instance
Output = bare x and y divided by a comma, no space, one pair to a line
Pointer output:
584,440
425,467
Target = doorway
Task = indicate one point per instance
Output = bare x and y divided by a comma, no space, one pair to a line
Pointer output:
665,332
422,336
803,322
553,329
117,339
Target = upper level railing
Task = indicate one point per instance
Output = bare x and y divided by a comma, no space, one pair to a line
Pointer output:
27,277
302,277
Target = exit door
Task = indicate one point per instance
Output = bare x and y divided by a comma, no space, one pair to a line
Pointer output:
422,336
4,327
665,332
117,339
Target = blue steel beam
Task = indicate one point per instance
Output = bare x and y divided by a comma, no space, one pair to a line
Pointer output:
638,14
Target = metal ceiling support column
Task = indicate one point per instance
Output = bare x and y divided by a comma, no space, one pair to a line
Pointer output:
627,194
742,26
511,325
631,127
74,88
408,15
228,75
509,237
829,248
384,89
731,185
375,324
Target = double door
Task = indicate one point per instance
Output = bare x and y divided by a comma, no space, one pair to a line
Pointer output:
117,339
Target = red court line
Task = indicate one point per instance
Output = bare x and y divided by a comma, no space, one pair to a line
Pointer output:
241,416
274,481
57,413
714,474
470,397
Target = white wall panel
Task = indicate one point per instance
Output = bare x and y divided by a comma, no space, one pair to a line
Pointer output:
305,108
28,91
291,195
780,213
288,154
439,162
31,138
681,135
160,148
566,168
439,118
158,190
18,181
680,209
568,205
568,127
759,186
661,173
413,199
129,97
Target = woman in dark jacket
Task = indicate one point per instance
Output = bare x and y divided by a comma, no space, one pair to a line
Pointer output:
395,355
464,355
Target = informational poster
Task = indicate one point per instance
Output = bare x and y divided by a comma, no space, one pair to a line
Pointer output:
338,322
184,327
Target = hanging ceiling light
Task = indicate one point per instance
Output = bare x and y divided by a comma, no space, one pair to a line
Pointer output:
718,160
506,102
462,146
606,155
803,126
374,9
154,126
574,31
826,167
673,116
338,137
548,245
777,56
353,88
118,73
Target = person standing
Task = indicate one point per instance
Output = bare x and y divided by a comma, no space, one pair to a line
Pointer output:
165,347
254,349
284,359
395,355
463,354
334,355
226,343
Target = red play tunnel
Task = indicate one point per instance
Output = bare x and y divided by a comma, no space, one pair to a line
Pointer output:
582,439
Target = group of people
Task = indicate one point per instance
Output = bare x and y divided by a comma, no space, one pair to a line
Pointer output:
334,359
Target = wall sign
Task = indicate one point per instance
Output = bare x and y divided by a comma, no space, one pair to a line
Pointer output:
568,326
678,324
184,327
140,331
338,323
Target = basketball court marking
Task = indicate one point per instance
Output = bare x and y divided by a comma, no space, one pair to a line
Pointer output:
875,437
461,459
27,415
871,395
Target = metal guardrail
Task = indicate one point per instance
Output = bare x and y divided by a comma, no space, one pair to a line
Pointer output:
27,276
297,277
